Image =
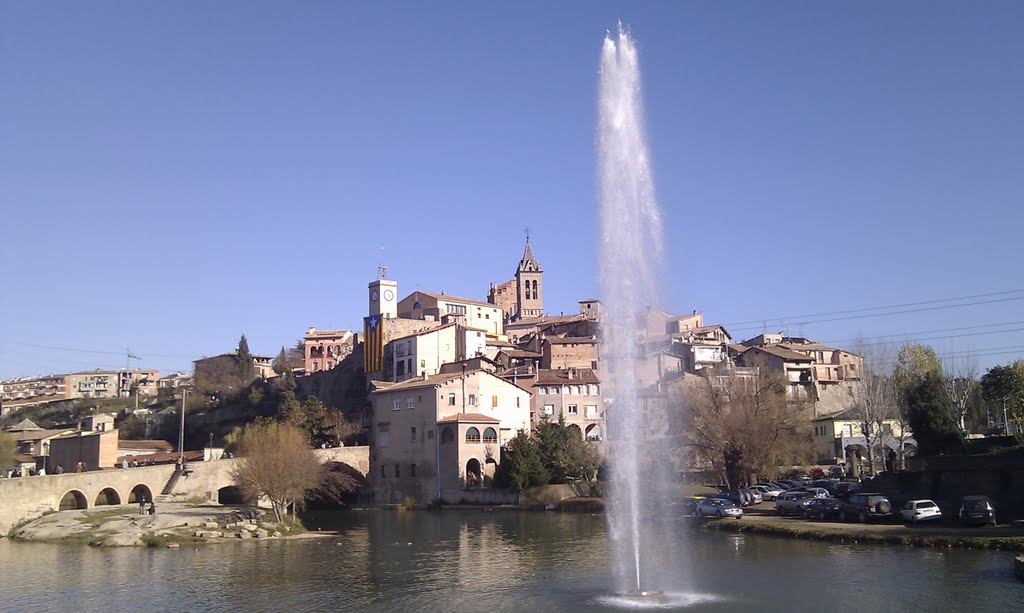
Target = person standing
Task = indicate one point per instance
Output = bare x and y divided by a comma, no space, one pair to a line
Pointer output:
142,505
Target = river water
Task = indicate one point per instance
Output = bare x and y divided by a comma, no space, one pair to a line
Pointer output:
491,561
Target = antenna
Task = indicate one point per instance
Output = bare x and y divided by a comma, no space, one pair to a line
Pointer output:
382,269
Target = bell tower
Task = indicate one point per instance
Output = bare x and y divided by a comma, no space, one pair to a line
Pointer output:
529,285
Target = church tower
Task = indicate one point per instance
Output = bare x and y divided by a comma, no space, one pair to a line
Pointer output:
383,295
529,285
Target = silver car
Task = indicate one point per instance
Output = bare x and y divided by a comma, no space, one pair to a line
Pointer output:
793,503
718,507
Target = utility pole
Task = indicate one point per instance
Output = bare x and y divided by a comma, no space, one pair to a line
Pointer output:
181,432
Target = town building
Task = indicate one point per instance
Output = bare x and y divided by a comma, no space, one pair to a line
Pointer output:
426,351
444,308
572,394
840,439
24,392
84,451
208,371
435,436
325,349
33,442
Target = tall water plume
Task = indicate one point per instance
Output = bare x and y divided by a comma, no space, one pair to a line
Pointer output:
644,539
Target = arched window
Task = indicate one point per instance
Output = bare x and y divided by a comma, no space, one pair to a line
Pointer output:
490,436
472,435
417,305
535,296
447,437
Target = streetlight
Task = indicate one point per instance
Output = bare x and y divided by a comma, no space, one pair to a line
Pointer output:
181,432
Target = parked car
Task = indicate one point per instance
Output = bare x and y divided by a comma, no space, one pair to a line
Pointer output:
822,508
768,492
865,506
790,483
920,510
828,484
846,488
818,492
792,503
977,510
755,495
733,496
837,471
718,507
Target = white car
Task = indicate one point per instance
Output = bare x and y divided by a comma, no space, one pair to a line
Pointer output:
767,493
920,510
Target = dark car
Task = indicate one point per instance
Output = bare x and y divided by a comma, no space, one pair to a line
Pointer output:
734,496
865,506
977,510
823,508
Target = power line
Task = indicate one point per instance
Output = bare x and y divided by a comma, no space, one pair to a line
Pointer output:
935,308
911,334
932,338
95,351
878,308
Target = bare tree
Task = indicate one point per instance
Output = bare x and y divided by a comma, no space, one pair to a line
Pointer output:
743,425
961,377
875,399
276,463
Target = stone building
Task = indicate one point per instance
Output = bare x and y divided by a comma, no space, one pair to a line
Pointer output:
432,437
325,349
523,296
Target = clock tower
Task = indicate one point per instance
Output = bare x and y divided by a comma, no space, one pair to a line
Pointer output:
383,295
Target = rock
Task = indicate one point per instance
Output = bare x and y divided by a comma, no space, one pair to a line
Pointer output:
244,534
210,534
250,527
173,545
210,524
261,534
277,535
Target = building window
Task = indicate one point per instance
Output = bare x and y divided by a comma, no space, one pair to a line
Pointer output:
591,410
472,435
447,437
490,436
549,409
400,368
409,402
472,400
412,470
396,404
413,433
423,363
595,389
383,473
384,438
542,391
573,410
494,401
398,470
430,435
451,400
517,402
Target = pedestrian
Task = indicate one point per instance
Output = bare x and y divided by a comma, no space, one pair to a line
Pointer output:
152,509
124,464
60,469
142,506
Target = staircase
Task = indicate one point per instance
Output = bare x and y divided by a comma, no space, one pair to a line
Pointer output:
171,482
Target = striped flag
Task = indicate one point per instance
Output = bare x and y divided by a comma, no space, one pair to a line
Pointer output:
373,343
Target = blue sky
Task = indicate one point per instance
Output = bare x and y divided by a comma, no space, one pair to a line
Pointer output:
173,175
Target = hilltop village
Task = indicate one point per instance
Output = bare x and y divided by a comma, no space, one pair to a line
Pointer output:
439,385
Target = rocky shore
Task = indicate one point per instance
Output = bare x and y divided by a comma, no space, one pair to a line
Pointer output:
174,524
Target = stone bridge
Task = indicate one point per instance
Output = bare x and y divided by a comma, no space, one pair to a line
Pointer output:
26,498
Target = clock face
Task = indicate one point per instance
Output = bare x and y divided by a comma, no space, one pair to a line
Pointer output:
389,295
373,296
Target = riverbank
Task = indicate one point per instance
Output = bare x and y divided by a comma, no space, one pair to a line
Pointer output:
174,524
765,521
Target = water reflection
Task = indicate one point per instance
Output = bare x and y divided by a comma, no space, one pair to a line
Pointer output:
497,561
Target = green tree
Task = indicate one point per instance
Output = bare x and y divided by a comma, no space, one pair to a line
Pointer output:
243,359
913,362
276,463
929,408
280,364
315,422
8,447
1003,386
522,465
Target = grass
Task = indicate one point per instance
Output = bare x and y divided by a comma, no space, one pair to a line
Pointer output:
97,518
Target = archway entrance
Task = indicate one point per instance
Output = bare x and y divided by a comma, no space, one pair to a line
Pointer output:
593,432
107,496
473,473
490,468
140,493
73,500
231,494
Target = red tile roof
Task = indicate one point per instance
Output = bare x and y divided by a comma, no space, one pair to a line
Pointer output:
474,418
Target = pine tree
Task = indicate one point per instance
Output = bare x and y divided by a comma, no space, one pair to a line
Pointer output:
246,370
280,364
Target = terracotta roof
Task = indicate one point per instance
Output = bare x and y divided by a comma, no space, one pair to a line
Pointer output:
24,458
25,424
520,353
569,340
35,435
430,381
191,456
518,371
497,343
561,376
806,347
448,298
780,352
547,320
156,444
474,418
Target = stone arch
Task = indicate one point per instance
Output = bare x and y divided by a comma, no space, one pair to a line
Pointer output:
140,493
575,430
490,468
490,435
107,495
593,432
73,500
474,475
341,487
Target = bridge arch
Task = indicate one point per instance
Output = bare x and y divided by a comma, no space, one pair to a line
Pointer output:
107,495
140,493
72,500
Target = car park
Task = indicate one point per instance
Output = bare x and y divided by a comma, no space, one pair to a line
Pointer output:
920,510
977,510
865,506
768,492
792,503
717,507
822,508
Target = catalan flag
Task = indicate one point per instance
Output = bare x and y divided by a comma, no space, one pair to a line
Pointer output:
373,343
